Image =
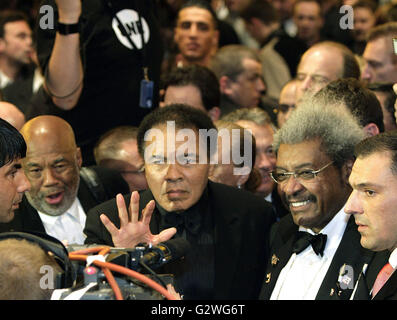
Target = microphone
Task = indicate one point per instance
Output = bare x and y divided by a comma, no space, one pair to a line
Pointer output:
165,252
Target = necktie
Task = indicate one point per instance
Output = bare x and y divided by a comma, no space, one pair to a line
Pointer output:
382,277
304,239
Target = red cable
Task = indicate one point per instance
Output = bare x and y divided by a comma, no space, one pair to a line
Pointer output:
113,284
77,255
109,276
92,250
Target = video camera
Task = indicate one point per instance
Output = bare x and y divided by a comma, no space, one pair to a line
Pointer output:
87,270
139,260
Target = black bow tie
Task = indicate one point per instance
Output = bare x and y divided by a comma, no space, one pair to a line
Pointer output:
304,239
190,221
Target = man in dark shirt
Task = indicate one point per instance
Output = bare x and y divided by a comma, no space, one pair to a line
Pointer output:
13,182
94,62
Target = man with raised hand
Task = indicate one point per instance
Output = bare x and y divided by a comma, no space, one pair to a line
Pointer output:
226,227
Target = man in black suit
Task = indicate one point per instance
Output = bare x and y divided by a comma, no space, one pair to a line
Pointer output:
373,203
59,198
226,227
13,182
314,158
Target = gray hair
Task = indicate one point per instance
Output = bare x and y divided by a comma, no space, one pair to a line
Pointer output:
109,144
336,127
256,115
228,61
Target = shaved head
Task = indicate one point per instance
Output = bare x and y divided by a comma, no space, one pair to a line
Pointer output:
12,114
48,133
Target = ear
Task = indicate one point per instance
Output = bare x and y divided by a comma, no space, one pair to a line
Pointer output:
371,129
176,35
79,157
215,39
214,113
242,179
251,25
2,44
322,21
211,170
346,170
225,85
255,22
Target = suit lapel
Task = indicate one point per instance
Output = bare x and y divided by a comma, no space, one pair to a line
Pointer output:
228,238
362,291
353,256
27,218
280,253
85,196
366,281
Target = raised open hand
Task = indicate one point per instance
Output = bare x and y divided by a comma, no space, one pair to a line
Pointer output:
132,230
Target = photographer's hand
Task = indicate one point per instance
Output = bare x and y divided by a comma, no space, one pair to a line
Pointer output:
132,230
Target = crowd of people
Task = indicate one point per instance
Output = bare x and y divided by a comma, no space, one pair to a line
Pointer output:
263,132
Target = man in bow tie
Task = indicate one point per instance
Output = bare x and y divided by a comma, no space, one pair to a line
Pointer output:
309,247
227,228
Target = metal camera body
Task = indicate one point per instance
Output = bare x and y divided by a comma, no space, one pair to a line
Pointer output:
130,288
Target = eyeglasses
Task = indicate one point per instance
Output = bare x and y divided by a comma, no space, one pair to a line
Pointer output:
280,177
139,171
284,108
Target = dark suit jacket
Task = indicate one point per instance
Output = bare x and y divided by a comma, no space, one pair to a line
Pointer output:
349,252
27,219
242,224
19,93
278,205
366,282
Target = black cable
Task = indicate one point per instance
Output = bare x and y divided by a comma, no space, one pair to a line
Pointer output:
154,274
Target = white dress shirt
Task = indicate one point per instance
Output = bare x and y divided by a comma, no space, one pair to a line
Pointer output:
4,80
393,259
67,226
304,273
38,80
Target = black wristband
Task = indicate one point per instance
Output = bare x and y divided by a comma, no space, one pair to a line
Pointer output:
66,29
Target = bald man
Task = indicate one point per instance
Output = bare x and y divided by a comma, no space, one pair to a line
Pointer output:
58,199
322,63
12,114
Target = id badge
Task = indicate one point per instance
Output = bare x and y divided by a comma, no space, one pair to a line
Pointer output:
146,94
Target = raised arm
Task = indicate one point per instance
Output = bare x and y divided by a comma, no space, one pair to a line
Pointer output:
64,74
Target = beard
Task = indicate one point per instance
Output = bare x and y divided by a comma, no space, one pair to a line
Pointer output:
40,204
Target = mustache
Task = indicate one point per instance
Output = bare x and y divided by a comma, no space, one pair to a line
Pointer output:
51,192
296,198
